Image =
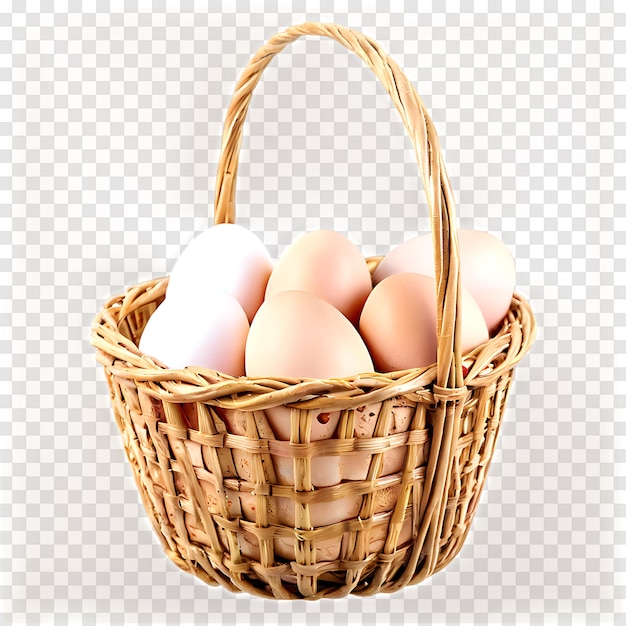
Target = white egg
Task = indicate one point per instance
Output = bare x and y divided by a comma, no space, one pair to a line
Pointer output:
228,257
206,330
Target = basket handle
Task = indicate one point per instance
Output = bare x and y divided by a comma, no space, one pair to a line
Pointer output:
430,161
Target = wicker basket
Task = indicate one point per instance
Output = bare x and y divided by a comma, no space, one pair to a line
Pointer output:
204,455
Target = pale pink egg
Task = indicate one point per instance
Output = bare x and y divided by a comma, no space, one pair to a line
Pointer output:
295,334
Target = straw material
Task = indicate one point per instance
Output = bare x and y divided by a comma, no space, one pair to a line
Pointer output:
409,451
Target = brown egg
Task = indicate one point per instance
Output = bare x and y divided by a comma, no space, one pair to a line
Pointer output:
399,322
487,269
328,265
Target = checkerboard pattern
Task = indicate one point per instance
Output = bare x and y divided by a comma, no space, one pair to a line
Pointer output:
110,133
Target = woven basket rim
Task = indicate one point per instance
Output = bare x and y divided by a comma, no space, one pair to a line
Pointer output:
199,384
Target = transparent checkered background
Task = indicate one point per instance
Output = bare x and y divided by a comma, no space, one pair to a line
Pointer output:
111,120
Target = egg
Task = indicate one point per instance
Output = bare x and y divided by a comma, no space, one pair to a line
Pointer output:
321,513
328,265
357,465
295,334
205,330
326,550
487,269
227,257
399,322
325,470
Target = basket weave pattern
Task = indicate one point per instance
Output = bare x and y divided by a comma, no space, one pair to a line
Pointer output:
414,446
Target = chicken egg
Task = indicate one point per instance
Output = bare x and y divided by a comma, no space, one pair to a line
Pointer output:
227,257
328,265
295,334
399,322
487,269
206,330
